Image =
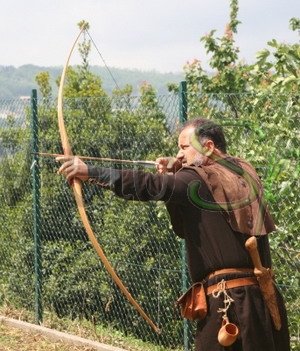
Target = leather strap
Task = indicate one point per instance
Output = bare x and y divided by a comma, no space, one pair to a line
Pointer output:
228,270
234,283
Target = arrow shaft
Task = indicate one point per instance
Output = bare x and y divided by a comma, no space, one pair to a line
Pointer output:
104,159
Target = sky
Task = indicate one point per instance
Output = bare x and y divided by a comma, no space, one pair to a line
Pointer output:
160,35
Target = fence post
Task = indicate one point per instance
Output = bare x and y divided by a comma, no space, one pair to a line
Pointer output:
182,102
36,210
183,117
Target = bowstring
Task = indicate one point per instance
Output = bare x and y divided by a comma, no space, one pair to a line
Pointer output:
102,58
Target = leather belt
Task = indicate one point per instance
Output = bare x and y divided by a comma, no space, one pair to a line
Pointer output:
228,270
233,283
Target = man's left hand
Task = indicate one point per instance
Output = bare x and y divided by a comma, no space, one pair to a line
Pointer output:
73,167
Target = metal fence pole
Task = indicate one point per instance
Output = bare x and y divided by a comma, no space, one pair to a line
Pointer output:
183,118
182,102
36,210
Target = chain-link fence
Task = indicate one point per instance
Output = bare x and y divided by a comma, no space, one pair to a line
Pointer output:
47,262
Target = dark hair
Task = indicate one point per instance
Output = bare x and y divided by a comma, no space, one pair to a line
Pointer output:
206,128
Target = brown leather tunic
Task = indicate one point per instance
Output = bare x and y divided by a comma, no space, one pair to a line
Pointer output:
239,193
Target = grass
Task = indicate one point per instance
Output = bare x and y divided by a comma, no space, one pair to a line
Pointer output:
12,339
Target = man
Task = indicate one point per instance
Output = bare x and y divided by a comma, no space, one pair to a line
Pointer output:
215,203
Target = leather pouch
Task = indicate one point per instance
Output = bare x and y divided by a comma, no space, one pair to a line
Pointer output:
193,302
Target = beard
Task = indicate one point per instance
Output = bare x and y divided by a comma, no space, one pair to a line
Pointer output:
198,160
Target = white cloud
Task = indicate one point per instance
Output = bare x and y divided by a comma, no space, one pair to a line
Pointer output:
142,34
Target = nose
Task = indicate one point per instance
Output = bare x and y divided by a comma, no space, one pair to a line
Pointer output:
180,155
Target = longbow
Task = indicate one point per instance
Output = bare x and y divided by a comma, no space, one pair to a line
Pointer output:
77,190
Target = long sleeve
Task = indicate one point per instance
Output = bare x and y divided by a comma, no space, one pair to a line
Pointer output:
145,186
105,177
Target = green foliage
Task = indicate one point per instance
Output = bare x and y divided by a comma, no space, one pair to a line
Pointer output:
258,106
74,282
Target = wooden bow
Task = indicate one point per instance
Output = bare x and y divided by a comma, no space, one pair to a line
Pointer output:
77,189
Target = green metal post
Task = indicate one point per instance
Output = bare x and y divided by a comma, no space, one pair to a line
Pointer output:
182,102
184,277
36,210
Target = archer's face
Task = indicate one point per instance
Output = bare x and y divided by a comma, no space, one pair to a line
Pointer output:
187,153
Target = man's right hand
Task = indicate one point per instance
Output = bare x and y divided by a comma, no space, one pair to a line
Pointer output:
168,164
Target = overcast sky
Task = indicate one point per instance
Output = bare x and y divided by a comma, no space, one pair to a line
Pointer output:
147,35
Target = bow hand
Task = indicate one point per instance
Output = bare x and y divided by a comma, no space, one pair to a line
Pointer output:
73,167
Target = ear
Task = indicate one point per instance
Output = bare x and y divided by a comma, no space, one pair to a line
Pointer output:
210,147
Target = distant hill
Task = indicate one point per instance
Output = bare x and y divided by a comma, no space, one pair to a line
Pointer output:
17,82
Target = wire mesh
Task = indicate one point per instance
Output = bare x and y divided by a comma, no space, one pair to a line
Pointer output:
136,237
